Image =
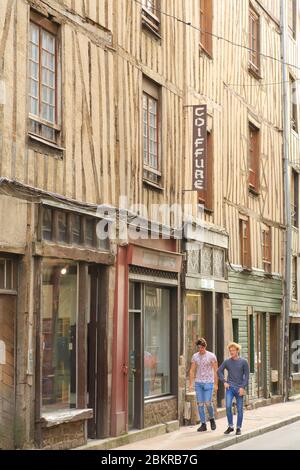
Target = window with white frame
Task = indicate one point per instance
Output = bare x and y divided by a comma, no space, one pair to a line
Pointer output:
151,131
44,79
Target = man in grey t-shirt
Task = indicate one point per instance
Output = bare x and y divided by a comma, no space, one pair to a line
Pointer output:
235,384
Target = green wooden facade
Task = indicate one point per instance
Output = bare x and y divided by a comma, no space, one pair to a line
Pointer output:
257,303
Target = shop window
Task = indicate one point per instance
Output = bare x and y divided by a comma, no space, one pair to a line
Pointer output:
62,227
206,23
76,229
47,223
157,342
90,232
59,323
44,79
195,326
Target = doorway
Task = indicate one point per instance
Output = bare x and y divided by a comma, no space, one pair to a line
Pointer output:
97,350
135,370
261,366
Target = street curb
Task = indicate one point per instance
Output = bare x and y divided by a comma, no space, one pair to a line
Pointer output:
228,442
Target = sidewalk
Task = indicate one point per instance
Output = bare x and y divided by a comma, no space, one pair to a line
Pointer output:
256,422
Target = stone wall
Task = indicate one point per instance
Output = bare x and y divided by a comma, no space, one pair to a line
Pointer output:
161,411
65,436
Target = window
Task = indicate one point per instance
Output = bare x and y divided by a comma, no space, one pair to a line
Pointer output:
235,329
195,325
43,79
60,226
47,223
59,325
254,46
245,243
254,158
205,197
8,274
292,17
266,249
151,15
251,344
157,342
206,19
293,104
295,198
151,132
294,278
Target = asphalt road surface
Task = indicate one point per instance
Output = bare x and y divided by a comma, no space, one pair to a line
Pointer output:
286,438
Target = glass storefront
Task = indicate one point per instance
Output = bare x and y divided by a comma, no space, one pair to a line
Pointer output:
156,341
59,321
195,325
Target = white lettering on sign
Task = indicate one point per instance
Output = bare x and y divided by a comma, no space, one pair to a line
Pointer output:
200,147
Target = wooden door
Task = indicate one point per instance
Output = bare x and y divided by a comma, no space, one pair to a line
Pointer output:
7,370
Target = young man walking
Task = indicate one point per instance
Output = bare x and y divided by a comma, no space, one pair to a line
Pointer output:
204,371
235,385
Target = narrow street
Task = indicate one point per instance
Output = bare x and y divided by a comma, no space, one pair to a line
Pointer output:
259,421
286,438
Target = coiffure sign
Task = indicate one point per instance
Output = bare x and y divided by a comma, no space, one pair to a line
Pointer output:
199,147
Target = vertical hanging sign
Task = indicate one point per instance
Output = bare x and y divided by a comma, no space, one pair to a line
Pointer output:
200,147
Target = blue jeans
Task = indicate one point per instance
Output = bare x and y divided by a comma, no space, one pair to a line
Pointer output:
230,394
204,393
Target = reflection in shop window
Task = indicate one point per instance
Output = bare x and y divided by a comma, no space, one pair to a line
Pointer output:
47,224
62,227
195,327
157,342
59,318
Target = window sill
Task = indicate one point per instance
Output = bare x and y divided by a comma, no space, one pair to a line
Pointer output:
254,192
205,52
148,24
153,185
45,145
295,132
159,398
254,72
55,418
246,270
8,292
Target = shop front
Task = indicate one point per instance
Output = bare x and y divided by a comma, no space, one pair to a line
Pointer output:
56,295
72,272
205,304
146,336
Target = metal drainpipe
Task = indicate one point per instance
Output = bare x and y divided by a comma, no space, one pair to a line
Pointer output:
287,200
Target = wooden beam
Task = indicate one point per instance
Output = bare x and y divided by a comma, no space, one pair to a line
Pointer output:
72,253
